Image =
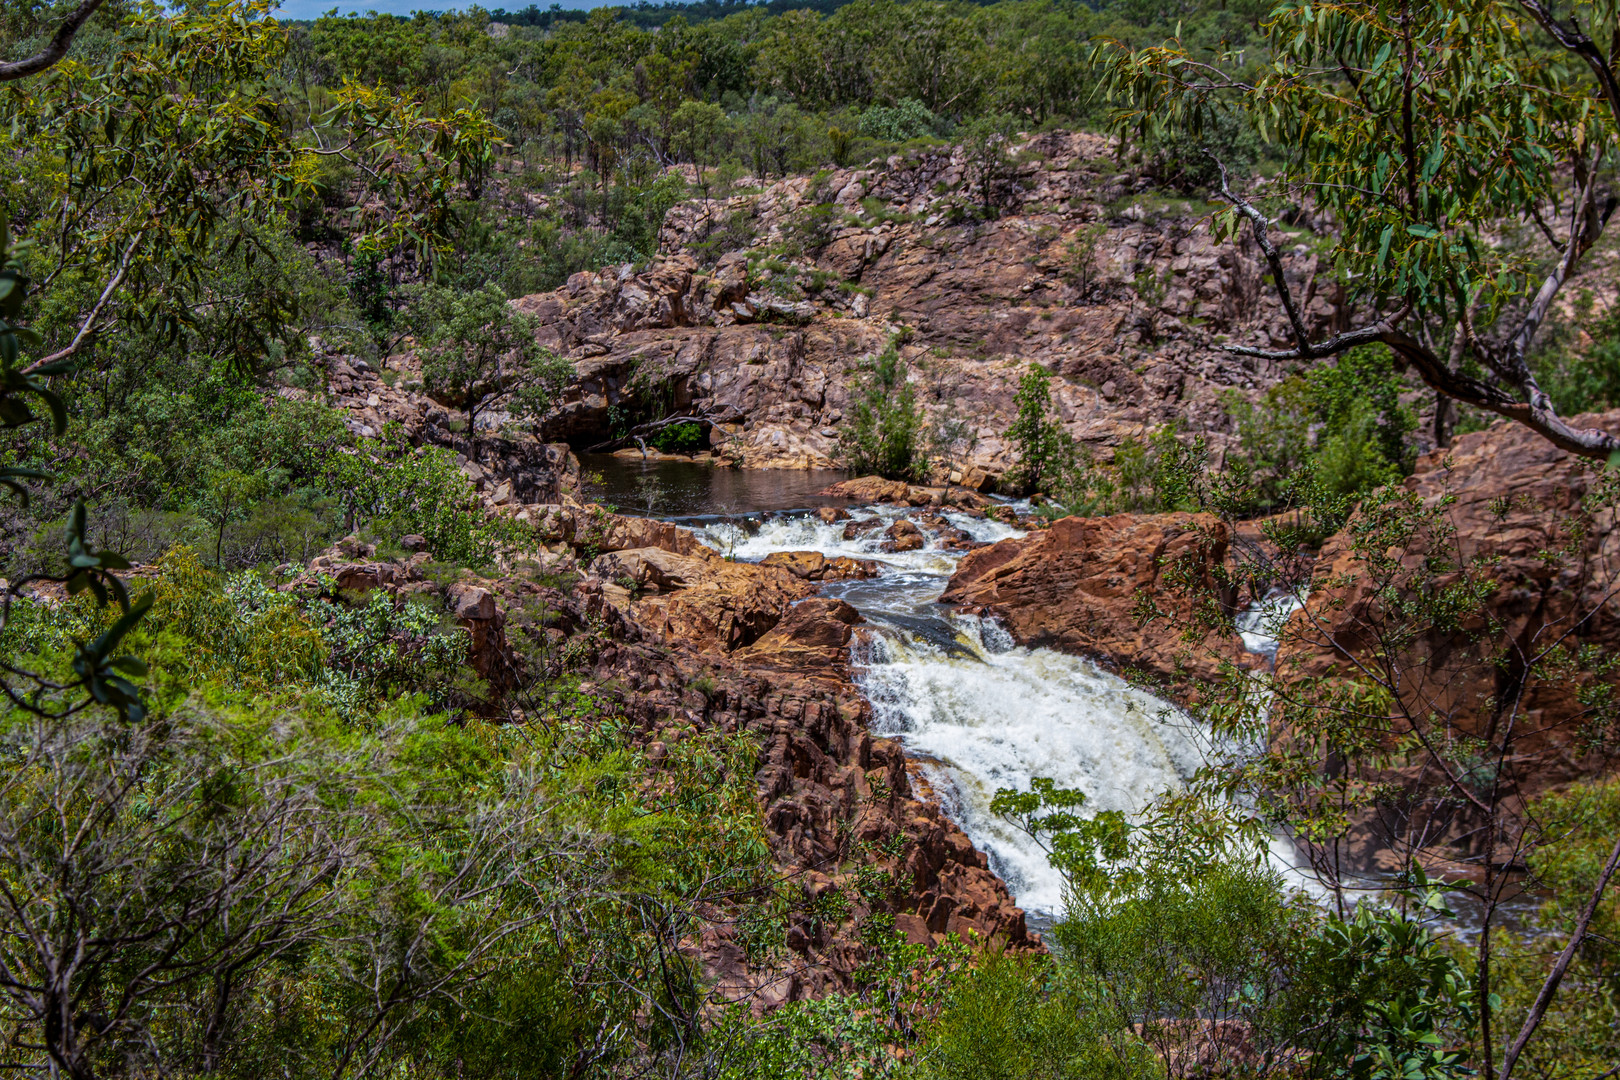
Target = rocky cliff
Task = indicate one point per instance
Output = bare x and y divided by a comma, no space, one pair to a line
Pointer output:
764,306
1527,668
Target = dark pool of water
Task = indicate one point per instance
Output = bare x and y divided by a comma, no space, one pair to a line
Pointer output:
682,489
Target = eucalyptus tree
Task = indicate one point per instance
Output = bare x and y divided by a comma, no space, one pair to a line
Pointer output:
131,170
477,352
1464,151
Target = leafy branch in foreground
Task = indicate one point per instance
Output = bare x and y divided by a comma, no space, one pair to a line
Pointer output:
1423,129
1412,707
99,673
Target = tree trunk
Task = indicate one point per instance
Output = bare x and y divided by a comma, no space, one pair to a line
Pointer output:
1445,418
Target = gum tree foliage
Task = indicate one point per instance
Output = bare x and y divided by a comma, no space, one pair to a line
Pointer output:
1462,151
1407,711
478,351
135,163
1191,958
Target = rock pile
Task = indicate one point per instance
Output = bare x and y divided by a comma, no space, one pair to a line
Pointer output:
685,638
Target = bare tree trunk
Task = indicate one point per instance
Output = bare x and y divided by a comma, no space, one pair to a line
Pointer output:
1445,418
1556,975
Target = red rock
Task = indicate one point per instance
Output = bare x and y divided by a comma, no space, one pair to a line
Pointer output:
1515,499
1075,587
903,535
814,566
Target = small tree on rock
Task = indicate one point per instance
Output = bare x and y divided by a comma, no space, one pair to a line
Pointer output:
881,432
1044,449
477,352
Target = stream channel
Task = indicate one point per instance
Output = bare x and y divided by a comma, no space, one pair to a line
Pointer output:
975,710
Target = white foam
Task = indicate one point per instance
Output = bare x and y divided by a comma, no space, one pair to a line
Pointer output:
992,716
1261,624
810,533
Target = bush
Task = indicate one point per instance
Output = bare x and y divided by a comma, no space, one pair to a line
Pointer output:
678,438
1581,379
1045,451
1192,959
908,119
1334,434
1022,1018
882,426
393,490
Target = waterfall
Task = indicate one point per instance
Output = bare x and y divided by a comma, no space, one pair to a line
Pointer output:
988,715
977,712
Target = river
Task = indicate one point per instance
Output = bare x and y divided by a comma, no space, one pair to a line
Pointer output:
978,712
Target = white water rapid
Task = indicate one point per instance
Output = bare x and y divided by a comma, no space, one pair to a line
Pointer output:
979,712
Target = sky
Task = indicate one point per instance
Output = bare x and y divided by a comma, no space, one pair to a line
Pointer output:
312,9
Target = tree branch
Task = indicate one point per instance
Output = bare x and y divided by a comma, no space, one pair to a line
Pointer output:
1274,260
1536,413
1556,975
88,325
55,49
1572,39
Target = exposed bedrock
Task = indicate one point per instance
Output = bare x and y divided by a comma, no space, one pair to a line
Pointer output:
679,637
765,346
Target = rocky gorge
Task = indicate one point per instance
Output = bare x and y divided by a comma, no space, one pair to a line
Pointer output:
763,305
857,644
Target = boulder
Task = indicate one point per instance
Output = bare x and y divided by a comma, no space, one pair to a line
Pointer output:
903,535
1075,587
870,490
873,490
814,566
699,600
812,634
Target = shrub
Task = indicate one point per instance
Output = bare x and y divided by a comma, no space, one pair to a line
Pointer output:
1045,451
678,438
480,351
394,490
906,120
883,425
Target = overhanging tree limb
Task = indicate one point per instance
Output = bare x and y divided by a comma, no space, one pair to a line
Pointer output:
1534,409
55,49
1556,975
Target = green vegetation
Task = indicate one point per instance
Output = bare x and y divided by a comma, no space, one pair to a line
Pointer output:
294,863
1324,440
882,430
254,823
480,352
1420,167
682,438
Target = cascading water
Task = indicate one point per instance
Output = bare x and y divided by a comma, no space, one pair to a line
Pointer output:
977,711
980,713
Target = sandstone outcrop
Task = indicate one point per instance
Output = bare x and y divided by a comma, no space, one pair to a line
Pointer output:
875,490
814,566
701,601
1076,587
1550,558
673,637
767,346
